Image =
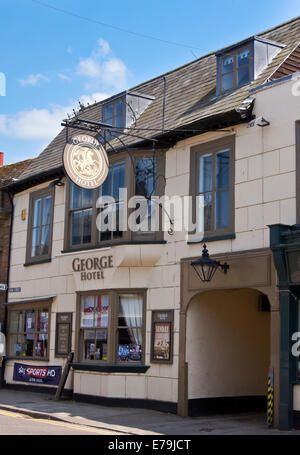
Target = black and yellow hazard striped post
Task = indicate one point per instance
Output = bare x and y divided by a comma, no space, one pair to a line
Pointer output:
270,409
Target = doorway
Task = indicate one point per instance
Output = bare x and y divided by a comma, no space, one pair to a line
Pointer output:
227,351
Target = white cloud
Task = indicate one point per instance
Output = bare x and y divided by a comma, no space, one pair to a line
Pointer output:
103,69
114,73
88,67
42,124
34,124
63,77
33,79
103,48
90,99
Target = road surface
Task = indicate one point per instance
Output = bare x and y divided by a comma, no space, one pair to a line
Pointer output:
13,423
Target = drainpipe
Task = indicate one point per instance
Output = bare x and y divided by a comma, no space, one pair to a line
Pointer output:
7,281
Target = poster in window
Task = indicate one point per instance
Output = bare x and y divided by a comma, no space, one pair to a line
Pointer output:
162,336
162,340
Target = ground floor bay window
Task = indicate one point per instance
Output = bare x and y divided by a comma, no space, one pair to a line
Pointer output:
111,327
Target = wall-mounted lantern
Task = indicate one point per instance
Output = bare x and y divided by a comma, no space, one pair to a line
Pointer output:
205,267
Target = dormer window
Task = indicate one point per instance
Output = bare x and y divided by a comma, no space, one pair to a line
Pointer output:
122,110
243,62
235,69
113,113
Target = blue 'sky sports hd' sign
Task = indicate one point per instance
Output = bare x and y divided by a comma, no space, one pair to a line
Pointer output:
37,374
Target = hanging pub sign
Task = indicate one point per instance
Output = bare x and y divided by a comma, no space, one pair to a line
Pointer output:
85,161
162,336
37,374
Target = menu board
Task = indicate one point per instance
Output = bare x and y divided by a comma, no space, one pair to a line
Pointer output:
63,334
162,336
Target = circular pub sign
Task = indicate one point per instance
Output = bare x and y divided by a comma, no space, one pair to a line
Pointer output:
85,161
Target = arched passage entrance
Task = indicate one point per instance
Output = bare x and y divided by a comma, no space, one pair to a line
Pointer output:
227,351
252,273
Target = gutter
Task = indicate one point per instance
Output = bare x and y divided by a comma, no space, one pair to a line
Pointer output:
35,179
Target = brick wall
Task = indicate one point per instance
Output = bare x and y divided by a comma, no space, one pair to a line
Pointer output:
4,247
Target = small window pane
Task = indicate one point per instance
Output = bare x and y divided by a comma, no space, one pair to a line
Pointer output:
207,212
145,176
45,241
89,346
119,122
87,197
205,177
76,228
243,75
108,112
222,171
87,226
131,310
227,81
35,242
222,209
101,345
118,179
118,208
16,345
75,196
16,321
227,64
243,58
47,206
42,321
28,345
41,346
87,311
105,188
130,345
29,321
130,328
101,311
37,212
119,108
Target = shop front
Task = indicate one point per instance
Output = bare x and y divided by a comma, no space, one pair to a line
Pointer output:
111,309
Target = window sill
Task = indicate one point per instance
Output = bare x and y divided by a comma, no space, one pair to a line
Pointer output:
109,245
110,368
40,261
214,238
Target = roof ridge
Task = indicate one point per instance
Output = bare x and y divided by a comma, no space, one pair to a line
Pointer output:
17,163
295,19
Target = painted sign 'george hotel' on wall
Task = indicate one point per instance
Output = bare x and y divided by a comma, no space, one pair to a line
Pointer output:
144,329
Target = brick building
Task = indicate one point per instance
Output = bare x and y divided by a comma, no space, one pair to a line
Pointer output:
7,174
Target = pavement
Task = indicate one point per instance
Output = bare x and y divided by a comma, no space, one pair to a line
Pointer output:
132,421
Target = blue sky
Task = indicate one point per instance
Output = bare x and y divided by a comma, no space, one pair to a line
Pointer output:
52,59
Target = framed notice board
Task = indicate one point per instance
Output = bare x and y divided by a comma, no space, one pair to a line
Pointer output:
162,336
63,334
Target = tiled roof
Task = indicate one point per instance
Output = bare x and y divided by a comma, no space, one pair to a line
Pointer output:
190,97
289,66
13,171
